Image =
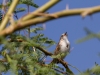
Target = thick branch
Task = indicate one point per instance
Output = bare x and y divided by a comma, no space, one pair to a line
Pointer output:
64,13
44,51
41,9
66,66
9,13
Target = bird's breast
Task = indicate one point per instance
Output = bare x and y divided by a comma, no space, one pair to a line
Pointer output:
63,47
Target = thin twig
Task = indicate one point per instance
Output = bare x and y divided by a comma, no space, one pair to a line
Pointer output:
75,68
61,71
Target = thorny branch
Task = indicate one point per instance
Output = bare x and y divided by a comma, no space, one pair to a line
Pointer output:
65,13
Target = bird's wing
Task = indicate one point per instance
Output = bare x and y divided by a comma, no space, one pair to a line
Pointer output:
57,49
68,46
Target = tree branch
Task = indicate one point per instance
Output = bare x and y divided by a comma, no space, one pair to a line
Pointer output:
61,72
44,51
65,64
41,9
9,13
82,11
75,68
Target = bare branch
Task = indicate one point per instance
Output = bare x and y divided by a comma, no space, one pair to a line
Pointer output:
75,68
87,12
65,64
38,20
44,51
61,71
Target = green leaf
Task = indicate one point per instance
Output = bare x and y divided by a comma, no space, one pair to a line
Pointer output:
13,67
2,67
36,29
30,67
28,2
96,69
88,37
18,56
8,58
18,10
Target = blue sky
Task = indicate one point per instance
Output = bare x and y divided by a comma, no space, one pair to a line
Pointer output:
85,54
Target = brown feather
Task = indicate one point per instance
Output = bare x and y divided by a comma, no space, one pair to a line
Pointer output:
56,52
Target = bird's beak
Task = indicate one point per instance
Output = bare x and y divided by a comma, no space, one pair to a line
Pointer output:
66,33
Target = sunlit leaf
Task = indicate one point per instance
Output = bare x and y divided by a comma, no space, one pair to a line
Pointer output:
96,69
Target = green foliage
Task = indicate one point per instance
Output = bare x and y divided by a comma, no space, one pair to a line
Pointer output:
59,55
40,37
36,29
94,71
23,57
18,10
89,36
2,67
28,2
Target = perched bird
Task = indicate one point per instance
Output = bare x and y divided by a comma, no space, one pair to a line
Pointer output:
62,48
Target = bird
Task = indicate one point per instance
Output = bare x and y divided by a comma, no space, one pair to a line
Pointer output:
62,48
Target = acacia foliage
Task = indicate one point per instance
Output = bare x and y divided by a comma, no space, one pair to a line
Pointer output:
19,53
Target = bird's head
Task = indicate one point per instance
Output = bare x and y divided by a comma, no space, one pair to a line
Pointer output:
64,36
